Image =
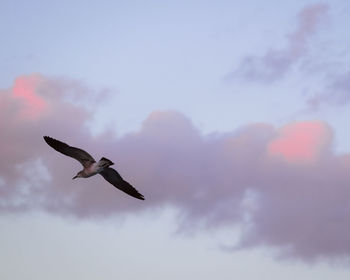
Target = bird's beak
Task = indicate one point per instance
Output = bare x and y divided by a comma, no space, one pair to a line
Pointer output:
75,177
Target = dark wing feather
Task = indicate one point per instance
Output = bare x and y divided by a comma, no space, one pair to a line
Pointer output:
80,155
113,177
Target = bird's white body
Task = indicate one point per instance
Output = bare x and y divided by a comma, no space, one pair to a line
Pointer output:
94,168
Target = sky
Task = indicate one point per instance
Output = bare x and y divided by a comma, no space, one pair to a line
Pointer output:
230,117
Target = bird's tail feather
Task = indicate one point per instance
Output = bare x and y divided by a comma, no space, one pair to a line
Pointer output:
104,162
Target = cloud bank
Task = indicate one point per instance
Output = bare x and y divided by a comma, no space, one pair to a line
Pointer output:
276,62
297,188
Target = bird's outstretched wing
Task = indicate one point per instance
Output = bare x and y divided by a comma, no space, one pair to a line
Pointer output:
80,155
113,177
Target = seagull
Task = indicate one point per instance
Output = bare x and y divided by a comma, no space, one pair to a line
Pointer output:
91,167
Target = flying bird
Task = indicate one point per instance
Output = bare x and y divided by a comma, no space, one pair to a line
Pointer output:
91,167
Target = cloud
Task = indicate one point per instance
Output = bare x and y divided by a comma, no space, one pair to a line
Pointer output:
284,186
25,89
276,62
335,94
300,142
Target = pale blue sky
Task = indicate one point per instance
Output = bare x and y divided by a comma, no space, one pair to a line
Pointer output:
37,246
167,55
174,55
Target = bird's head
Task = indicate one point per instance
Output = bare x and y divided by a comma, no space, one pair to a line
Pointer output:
79,175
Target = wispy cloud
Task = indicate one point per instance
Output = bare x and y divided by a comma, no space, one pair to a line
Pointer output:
274,64
287,180
336,93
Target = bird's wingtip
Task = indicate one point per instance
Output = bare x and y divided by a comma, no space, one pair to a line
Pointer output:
138,195
47,139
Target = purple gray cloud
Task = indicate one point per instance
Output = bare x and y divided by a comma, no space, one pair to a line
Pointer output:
285,187
276,62
336,93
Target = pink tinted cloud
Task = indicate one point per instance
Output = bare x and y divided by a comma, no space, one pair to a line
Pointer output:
300,208
26,89
300,142
276,62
